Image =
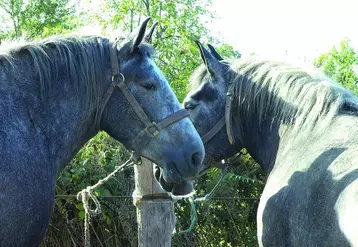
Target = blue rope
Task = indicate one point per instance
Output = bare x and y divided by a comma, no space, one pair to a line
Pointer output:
193,216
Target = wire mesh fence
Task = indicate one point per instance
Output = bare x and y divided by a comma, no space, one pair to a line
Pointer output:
223,221
228,219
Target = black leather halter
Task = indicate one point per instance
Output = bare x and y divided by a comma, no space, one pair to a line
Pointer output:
151,129
226,119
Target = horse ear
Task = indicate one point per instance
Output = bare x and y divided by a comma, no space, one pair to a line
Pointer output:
138,40
148,36
215,53
209,60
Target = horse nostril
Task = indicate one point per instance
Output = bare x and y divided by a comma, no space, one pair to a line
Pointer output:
195,160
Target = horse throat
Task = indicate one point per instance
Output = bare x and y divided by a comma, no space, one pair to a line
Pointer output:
261,140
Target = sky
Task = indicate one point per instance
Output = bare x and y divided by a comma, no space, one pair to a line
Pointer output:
272,27
298,28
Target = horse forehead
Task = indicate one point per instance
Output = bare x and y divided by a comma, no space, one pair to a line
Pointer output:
143,64
155,70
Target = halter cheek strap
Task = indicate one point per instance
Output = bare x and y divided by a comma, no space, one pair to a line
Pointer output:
151,129
226,119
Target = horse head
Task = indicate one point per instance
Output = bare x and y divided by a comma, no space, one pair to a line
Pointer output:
144,114
207,103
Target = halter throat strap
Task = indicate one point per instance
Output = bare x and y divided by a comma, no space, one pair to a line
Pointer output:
115,82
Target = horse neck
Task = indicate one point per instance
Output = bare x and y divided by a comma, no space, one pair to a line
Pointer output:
78,117
63,118
259,136
68,126
261,140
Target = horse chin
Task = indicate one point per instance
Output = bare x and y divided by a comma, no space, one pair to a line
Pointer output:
177,189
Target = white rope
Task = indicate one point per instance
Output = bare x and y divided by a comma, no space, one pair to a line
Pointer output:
86,194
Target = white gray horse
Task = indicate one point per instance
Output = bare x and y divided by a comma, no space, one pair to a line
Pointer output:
300,127
56,94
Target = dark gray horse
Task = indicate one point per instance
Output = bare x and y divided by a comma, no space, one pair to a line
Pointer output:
301,128
57,94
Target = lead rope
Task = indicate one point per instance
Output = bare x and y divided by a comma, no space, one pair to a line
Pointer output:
207,197
86,194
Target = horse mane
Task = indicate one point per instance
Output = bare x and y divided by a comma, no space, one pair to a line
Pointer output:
82,58
284,92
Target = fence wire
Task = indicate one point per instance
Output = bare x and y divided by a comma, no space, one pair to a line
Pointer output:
223,221
130,197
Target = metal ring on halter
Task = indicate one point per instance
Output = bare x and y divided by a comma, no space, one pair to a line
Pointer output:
115,76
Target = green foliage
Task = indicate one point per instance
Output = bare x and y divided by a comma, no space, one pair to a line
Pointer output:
227,221
226,50
37,18
339,64
94,161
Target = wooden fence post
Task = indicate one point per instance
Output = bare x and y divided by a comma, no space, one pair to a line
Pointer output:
155,213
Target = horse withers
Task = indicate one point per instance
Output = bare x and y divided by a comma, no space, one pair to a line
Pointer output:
58,93
300,127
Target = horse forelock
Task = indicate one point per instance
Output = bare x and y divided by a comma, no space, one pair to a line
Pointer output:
196,79
290,93
82,57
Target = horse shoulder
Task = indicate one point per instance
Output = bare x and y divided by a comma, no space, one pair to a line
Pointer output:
312,189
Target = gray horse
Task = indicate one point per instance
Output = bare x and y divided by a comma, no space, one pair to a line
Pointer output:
56,94
300,127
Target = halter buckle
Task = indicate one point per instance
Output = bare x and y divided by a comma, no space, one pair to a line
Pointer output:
153,130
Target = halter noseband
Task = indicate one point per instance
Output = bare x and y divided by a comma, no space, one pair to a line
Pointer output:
151,129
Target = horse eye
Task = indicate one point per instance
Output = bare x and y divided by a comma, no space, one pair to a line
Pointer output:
148,86
190,105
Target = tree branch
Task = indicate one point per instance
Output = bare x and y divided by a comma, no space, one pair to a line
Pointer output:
147,6
167,64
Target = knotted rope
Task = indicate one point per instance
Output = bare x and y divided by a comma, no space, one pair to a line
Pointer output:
86,195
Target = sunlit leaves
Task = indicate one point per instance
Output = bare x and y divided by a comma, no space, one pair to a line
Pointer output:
37,18
340,64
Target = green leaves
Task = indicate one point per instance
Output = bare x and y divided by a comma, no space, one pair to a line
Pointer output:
339,64
81,214
227,51
102,192
38,18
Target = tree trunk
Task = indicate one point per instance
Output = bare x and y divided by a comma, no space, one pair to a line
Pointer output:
155,211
